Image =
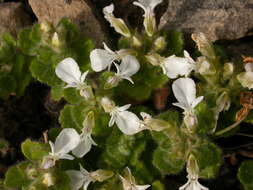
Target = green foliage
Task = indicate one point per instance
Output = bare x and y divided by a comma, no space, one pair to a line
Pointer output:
34,150
175,42
73,116
245,174
14,68
209,159
16,177
157,185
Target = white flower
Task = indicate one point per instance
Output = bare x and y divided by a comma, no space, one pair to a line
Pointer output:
86,140
125,70
104,58
83,178
126,121
68,71
193,172
246,78
184,90
174,66
117,23
65,142
129,183
149,16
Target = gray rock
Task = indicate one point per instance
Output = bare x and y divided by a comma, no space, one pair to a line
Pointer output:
76,10
13,18
218,19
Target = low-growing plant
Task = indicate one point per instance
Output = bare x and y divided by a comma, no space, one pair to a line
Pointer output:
104,143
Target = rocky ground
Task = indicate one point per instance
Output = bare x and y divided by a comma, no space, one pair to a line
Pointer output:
228,22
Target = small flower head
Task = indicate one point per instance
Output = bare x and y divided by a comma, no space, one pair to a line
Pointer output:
65,142
184,90
246,78
174,66
129,183
86,140
193,172
68,71
128,67
126,121
118,24
149,16
104,58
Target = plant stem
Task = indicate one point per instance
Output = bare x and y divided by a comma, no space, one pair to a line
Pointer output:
229,127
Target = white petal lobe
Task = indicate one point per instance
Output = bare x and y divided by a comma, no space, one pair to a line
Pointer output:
68,71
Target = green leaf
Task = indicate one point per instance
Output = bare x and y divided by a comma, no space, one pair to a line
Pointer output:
73,116
206,118
44,72
175,41
167,162
16,177
29,40
34,150
157,185
7,86
245,174
208,156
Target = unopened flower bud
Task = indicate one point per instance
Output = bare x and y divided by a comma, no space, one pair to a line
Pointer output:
154,59
160,43
31,173
136,42
204,45
45,27
107,104
223,102
204,67
48,179
55,40
118,24
228,70
101,175
87,92
112,82
190,121
153,124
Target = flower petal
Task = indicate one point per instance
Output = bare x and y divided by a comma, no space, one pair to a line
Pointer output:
148,3
129,66
177,66
76,179
184,90
142,187
84,75
128,122
83,148
101,59
68,71
67,140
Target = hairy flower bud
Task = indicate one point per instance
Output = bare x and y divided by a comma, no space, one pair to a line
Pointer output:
160,43
228,70
48,179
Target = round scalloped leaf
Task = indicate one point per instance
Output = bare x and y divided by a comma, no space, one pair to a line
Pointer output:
16,176
167,162
209,159
34,150
245,174
72,116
